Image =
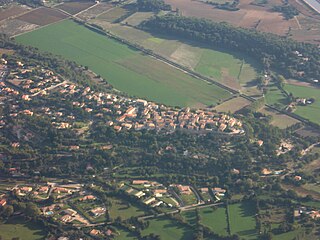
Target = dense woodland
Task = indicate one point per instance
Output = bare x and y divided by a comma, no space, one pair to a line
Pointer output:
275,52
153,5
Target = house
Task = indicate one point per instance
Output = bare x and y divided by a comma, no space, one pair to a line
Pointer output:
139,194
298,178
184,189
266,171
98,211
140,182
204,190
66,218
95,232
150,200
26,189
88,197
219,191
260,143
109,232
3,202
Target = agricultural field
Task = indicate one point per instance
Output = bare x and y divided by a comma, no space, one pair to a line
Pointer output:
12,27
12,11
233,105
232,69
278,119
114,14
42,16
21,229
123,209
275,97
242,220
312,111
249,15
95,11
126,69
138,17
124,235
168,229
74,7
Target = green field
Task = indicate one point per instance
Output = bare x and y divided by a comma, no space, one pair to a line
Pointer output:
232,69
168,230
121,209
22,229
215,219
312,111
126,69
242,220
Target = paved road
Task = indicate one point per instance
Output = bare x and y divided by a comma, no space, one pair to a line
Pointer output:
314,4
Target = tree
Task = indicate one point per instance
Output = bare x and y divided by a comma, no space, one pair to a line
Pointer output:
7,211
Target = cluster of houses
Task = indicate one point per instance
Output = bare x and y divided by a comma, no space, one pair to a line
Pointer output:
155,194
312,213
25,83
302,60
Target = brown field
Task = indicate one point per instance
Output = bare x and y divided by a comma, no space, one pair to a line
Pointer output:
13,27
249,15
308,131
278,119
302,191
95,11
74,7
43,16
6,51
233,105
12,11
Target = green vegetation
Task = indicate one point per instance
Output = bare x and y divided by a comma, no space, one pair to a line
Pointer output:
168,229
126,69
20,228
242,220
312,111
125,210
215,219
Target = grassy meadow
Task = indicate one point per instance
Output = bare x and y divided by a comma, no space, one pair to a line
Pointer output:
242,220
22,229
168,229
126,69
232,69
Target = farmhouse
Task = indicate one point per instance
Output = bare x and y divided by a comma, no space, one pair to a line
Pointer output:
98,211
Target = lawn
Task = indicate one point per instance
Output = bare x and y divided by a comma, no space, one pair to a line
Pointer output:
19,228
215,219
242,220
168,230
126,69
275,97
125,235
312,111
188,199
122,209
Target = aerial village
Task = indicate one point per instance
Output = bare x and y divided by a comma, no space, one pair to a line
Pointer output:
119,112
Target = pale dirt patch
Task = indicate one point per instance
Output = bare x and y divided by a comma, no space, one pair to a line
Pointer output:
187,55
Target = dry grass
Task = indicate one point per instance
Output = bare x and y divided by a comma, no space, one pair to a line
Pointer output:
233,105
279,120
249,15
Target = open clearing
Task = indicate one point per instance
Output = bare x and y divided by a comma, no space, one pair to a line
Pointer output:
233,105
168,229
114,14
278,119
136,18
74,7
242,220
124,210
42,16
19,228
231,69
249,15
312,111
215,219
126,69
12,11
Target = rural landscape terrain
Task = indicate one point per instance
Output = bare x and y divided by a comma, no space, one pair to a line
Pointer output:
160,119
